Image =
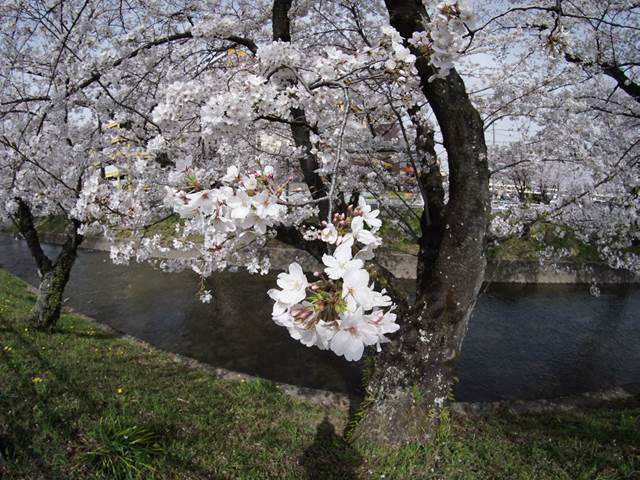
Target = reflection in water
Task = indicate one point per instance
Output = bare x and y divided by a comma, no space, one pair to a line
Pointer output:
524,341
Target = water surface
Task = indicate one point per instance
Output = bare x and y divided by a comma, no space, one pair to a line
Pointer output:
525,340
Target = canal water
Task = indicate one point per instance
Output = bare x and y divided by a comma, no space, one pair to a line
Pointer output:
525,341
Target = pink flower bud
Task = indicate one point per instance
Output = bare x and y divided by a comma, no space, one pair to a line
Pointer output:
297,312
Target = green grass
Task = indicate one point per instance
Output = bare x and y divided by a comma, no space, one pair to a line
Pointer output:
165,228
559,239
69,398
121,450
394,232
51,225
56,225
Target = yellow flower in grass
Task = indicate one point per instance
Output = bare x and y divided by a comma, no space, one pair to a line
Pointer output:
7,348
120,390
37,380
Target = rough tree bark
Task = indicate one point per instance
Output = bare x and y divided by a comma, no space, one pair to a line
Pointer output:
53,275
412,377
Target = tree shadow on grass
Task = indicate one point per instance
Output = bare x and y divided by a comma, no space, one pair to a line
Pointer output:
330,456
18,431
15,404
98,335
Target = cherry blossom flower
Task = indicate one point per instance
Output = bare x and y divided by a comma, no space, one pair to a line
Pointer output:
195,201
232,174
329,234
384,322
353,336
240,204
360,234
380,299
250,182
293,285
341,261
370,216
355,288
268,171
266,205
366,253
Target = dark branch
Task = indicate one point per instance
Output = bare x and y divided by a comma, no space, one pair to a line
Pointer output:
624,82
250,44
273,118
23,220
300,126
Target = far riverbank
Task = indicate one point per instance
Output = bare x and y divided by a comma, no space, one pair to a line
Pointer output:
403,265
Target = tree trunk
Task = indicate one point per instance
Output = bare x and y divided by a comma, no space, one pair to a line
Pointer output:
53,275
46,310
23,220
413,376
300,129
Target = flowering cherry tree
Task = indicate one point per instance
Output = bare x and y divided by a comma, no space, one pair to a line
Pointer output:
576,114
255,120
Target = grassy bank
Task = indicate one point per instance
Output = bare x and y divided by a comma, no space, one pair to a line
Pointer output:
542,240
79,403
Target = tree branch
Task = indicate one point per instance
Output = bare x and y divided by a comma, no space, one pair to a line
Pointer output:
23,220
299,129
627,85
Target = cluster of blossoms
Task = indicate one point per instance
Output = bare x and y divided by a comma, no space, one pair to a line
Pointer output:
213,26
340,310
399,55
442,39
242,207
